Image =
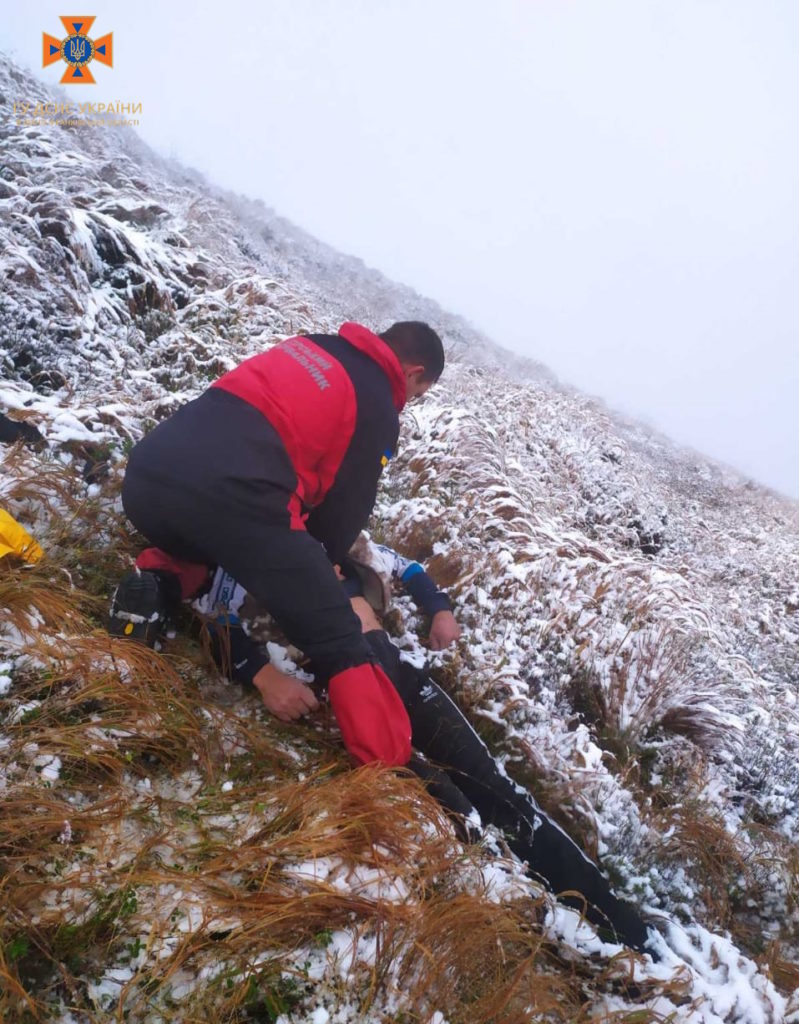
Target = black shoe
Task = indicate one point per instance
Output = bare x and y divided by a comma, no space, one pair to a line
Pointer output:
631,929
138,608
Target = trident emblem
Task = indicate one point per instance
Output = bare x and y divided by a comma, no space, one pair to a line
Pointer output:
77,50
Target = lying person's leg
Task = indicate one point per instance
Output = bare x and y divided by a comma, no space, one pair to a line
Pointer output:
473,779
442,732
441,787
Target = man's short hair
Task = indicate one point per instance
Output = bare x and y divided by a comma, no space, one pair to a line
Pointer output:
415,343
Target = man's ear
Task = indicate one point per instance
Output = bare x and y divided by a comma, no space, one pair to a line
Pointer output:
413,370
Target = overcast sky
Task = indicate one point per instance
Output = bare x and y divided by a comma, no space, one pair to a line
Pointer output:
608,186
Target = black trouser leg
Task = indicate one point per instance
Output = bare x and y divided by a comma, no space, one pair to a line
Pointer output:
199,498
443,734
289,574
441,787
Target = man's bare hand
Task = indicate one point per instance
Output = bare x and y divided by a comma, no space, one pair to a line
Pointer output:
444,630
286,697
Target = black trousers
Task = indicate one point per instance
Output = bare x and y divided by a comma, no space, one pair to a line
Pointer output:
473,779
200,497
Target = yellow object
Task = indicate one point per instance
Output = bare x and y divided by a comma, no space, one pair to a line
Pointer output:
128,629
14,540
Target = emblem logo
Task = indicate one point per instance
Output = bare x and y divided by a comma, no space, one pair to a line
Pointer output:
77,50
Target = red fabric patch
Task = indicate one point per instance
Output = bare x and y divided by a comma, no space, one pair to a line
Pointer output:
373,721
192,575
309,399
296,515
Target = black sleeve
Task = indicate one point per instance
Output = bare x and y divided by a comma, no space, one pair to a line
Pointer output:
236,654
349,502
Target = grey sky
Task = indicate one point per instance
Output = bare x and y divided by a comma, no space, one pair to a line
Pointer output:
609,187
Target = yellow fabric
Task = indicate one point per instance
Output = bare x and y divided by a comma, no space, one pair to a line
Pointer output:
14,540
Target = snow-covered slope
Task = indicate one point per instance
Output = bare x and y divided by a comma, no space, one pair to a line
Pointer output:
630,609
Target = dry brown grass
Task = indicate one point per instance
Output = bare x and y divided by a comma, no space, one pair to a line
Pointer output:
133,853
38,480
438,945
701,838
735,872
783,971
136,858
37,591
86,541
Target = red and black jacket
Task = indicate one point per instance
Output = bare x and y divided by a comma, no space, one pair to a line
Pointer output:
334,401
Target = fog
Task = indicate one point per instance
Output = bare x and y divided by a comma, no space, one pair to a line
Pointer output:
609,188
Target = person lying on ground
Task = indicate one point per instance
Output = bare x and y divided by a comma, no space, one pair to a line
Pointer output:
273,472
284,695
378,566
447,752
